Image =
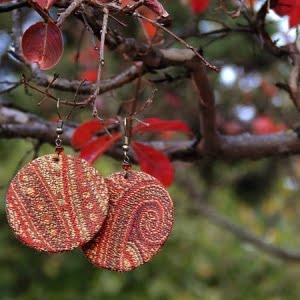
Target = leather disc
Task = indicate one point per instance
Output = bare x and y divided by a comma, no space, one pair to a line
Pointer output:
56,205
139,221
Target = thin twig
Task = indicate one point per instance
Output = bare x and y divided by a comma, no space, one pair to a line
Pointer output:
117,20
130,9
134,104
180,40
68,12
43,13
226,224
143,107
44,92
92,98
89,29
77,56
55,76
46,89
245,235
74,100
101,49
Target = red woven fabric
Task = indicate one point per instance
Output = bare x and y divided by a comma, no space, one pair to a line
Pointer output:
55,205
139,221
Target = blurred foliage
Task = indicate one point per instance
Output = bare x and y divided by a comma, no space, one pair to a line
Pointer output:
199,261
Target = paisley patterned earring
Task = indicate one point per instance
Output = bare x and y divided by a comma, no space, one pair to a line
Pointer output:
139,221
57,202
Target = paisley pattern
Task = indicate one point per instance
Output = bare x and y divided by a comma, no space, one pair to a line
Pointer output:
139,221
57,205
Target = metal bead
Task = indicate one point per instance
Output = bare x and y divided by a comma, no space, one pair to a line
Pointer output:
126,166
125,147
59,130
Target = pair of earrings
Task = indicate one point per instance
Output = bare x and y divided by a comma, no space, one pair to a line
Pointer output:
59,202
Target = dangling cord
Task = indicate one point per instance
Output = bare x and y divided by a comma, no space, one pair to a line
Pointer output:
126,165
59,131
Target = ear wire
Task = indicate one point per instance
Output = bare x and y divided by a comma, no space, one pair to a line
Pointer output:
126,165
59,131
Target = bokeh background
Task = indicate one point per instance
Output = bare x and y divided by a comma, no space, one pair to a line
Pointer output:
200,260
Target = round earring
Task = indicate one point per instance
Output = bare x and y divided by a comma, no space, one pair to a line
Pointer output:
139,221
57,202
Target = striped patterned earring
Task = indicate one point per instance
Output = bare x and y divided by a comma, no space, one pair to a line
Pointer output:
139,221
57,202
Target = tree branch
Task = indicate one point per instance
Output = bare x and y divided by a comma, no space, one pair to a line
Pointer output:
208,127
225,223
263,36
295,76
161,59
16,124
70,9
87,88
258,146
6,7
245,235
151,56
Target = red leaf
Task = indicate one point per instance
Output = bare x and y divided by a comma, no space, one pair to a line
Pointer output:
86,131
199,6
268,89
289,8
233,127
250,4
156,7
154,163
150,10
126,2
264,125
89,75
88,57
43,43
173,100
149,30
284,7
97,147
155,124
295,15
46,4
153,5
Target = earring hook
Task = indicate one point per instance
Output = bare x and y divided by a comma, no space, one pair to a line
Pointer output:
126,161
126,132
59,130
57,108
